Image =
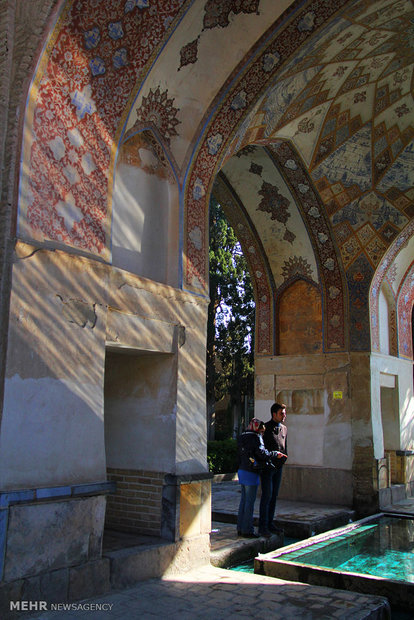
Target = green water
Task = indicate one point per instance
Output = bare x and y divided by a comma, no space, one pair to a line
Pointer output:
383,548
248,567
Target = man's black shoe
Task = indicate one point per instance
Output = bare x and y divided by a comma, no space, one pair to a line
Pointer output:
265,534
250,535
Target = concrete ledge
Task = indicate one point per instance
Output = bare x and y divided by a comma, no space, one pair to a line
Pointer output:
243,549
134,564
225,477
305,529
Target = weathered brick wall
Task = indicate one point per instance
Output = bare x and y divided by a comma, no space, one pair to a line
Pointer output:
136,506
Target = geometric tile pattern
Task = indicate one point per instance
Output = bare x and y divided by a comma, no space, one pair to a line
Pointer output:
356,107
319,231
359,277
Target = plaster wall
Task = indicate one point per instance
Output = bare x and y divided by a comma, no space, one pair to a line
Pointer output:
144,227
315,389
52,424
52,429
386,371
163,319
140,411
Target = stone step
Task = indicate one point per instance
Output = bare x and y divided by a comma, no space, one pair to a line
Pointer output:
300,525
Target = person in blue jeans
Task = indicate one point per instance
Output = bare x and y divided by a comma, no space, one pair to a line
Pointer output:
252,455
275,439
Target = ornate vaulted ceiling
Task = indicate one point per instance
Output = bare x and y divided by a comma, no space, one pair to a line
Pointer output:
346,105
305,108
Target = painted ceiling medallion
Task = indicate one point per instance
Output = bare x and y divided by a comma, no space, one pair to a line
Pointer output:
158,110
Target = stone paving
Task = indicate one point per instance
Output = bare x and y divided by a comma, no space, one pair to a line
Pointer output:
209,592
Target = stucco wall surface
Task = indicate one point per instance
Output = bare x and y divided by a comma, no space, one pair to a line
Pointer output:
315,389
53,421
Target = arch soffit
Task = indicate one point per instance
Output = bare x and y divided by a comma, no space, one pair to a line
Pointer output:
217,142
331,276
260,272
396,269
277,209
405,306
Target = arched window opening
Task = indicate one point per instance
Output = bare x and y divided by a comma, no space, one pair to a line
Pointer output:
230,332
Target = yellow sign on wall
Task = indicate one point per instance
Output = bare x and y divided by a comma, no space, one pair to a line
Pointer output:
337,395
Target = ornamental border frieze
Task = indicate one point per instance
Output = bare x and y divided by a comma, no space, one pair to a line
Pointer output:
331,278
405,306
260,273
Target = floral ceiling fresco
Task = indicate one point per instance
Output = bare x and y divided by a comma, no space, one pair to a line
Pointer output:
325,84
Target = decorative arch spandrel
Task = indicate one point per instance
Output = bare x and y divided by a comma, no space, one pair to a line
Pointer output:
80,94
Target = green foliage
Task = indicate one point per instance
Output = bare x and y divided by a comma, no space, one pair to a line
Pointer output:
230,329
222,456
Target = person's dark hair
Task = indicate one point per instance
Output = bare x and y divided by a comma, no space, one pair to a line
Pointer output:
276,407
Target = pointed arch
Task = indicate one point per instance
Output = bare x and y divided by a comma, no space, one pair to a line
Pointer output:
405,304
230,109
260,272
383,268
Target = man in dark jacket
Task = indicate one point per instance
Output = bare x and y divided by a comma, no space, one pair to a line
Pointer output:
275,440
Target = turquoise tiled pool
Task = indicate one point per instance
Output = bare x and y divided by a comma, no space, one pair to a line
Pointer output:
384,548
374,555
